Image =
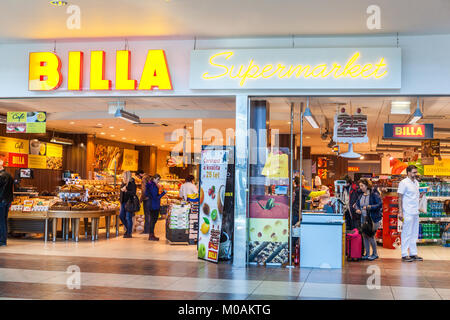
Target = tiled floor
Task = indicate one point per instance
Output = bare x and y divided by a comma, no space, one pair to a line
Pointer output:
138,269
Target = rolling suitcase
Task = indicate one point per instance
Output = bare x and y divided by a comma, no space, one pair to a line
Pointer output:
354,245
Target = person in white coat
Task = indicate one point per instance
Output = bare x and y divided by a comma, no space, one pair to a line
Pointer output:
188,188
408,206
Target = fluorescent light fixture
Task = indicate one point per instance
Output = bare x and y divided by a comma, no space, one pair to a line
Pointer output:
417,115
309,117
400,107
127,116
2,119
62,141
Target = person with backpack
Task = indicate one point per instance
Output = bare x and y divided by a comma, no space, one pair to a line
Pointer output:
127,197
152,193
370,207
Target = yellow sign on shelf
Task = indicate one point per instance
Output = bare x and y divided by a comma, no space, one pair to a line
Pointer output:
440,168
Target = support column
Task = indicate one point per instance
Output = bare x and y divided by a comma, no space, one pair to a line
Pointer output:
241,183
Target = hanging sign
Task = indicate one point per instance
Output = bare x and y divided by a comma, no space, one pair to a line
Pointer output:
403,131
350,128
130,160
26,122
306,68
430,150
14,145
213,178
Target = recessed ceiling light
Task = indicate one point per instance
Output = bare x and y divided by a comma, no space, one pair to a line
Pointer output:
134,140
122,129
124,138
102,133
99,124
111,127
308,137
71,122
58,3
163,146
113,135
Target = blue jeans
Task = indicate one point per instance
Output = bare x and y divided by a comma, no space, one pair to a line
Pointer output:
127,219
4,209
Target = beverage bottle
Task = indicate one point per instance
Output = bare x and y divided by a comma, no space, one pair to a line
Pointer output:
420,231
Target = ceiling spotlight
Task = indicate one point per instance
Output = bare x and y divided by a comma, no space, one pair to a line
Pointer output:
102,133
58,3
71,122
111,127
122,129
361,158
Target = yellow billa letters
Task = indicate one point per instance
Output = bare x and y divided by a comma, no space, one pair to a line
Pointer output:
98,81
44,71
75,73
156,72
123,81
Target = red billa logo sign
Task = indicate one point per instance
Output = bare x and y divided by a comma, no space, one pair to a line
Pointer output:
409,131
18,160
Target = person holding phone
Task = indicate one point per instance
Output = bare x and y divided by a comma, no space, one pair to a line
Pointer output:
152,193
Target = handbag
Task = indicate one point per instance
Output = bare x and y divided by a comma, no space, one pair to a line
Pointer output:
133,204
368,227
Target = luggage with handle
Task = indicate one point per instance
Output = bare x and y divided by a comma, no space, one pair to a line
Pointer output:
354,245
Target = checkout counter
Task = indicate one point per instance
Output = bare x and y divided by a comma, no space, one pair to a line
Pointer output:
322,235
322,240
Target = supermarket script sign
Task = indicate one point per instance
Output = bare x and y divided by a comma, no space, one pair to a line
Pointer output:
306,68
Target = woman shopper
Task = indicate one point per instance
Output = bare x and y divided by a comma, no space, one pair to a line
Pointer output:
370,207
146,203
127,192
152,193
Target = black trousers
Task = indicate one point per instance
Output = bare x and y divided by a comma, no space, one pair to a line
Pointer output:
146,205
154,214
4,208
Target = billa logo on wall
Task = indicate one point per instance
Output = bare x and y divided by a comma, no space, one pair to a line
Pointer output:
408,131
45,71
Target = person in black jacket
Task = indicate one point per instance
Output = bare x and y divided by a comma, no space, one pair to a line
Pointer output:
6,197
370,207
127,191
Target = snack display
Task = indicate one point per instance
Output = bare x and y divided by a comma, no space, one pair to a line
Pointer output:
172,187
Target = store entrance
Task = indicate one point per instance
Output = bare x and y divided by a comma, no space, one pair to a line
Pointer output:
341,141
89,146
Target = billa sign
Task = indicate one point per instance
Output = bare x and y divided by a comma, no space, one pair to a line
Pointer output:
401,131
353,169
45,71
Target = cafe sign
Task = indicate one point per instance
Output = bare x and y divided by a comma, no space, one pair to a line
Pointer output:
306,68
403,131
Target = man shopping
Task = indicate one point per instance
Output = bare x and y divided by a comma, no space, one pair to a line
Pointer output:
6,197
408,206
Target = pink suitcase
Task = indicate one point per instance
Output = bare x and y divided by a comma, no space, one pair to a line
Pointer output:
354,245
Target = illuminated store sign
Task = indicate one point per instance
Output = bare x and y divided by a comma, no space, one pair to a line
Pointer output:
408,131
45,71
324,68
